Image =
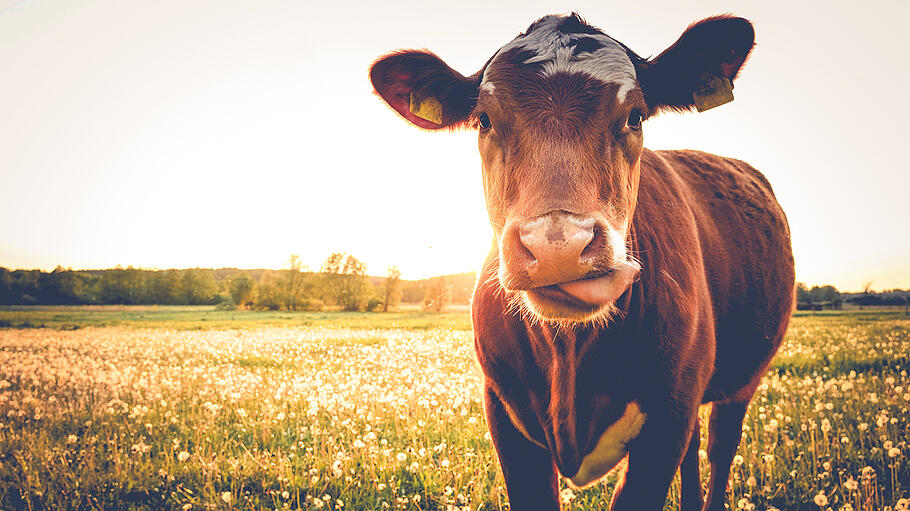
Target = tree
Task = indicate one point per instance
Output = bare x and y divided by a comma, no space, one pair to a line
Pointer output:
438,294
269,292
345,281
802,293
243,290
293,284
392,289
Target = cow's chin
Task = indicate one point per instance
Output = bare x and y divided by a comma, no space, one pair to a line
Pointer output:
583,300
552,304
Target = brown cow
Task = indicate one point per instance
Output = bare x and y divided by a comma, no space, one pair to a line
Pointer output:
627,286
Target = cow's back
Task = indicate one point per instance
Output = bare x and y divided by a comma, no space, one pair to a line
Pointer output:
748,260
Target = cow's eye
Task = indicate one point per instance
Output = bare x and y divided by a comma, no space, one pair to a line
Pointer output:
635,119
483,120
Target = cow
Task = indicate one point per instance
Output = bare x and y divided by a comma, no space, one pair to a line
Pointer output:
626,287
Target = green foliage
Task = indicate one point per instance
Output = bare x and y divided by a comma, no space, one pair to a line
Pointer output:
344,282
243,290
438,294
392,289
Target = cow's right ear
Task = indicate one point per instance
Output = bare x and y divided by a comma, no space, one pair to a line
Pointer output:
424,90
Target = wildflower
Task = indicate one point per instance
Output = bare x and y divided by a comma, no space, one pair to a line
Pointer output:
821,500
851,484
226,496
241,412
318,503
745,505
751,482
72,439
339,504
566,496
183,456
401,457
187,507
894,452
737,460
285,495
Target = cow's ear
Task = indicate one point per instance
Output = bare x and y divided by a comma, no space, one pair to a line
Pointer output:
424,90
699,68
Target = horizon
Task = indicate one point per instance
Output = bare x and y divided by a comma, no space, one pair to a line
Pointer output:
404,276
214,134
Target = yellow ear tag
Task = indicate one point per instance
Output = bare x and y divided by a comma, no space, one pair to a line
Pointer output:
427,108
713,91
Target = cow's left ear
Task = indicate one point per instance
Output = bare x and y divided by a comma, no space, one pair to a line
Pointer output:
424,90
699,68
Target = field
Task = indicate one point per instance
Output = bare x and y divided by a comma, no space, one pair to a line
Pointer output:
190,408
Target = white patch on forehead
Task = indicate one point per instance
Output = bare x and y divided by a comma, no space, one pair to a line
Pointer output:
610,63
488,87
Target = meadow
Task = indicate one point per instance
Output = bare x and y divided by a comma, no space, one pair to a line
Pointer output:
190,408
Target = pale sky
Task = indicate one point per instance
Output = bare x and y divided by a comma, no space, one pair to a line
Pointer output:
224,133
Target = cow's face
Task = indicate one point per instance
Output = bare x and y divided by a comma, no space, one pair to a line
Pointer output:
559,112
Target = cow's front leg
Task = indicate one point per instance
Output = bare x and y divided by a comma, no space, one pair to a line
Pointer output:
654,457
528,469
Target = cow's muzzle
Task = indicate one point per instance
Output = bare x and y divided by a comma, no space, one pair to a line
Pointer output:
559,254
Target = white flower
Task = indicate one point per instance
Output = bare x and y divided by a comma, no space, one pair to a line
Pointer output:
566,496
183,456
821,500
226,496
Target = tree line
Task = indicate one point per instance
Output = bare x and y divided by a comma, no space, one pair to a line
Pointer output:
818,297
341,283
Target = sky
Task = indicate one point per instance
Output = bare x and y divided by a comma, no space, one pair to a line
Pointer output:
204,133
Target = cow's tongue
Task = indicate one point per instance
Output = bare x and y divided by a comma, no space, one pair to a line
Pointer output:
603,290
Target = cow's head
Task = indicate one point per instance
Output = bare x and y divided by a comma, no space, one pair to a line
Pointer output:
559,112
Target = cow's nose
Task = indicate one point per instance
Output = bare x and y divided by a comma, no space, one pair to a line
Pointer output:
556,247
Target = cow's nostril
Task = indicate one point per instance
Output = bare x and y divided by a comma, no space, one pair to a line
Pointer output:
596,246
517,252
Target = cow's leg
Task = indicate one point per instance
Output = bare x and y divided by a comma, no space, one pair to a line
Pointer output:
654,458
725,432
691,496
528,469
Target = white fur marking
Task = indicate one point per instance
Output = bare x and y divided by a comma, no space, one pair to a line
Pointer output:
610,63
610,448
488,87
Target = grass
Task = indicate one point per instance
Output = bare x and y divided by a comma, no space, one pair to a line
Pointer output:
194,409
207,318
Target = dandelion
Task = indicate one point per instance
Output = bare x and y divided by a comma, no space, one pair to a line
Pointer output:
737,460
285,495
851,484
566,496
821,500
318,503
183,456
401,457
894,452
72,439
226,496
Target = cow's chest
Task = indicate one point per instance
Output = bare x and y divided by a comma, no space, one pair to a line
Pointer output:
611,447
